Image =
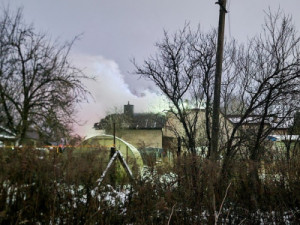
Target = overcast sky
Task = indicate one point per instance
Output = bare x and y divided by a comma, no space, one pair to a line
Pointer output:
115,31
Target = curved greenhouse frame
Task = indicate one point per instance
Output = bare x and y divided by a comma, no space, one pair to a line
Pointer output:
131,155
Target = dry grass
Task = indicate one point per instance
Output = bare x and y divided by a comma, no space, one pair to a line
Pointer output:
62,189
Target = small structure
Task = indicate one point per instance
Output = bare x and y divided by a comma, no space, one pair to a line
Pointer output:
7,137
278,125
32,137
282,142
284,138
131,155
142,130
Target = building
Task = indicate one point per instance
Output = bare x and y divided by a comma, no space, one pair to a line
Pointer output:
197,120
7,137
10,139
142,130
273,124
157,132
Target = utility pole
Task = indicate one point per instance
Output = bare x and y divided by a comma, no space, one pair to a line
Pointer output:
218,78
112,157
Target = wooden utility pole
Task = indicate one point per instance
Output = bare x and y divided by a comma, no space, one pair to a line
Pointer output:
218,77
112,158
114,134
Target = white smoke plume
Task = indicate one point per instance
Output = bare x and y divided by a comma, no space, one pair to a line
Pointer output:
109,92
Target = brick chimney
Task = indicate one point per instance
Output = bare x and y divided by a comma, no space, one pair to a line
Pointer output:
128,110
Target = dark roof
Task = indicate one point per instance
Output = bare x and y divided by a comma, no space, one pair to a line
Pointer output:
136,121
147,121
252,119
6,133
273,121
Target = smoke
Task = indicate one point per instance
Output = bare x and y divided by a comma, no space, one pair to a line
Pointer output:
109,93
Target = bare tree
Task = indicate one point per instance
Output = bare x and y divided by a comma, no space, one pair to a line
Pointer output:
38,84
183,70
268,77
173,72
203,53
266,83
260,79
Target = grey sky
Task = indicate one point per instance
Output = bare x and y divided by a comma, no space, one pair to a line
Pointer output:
114,31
